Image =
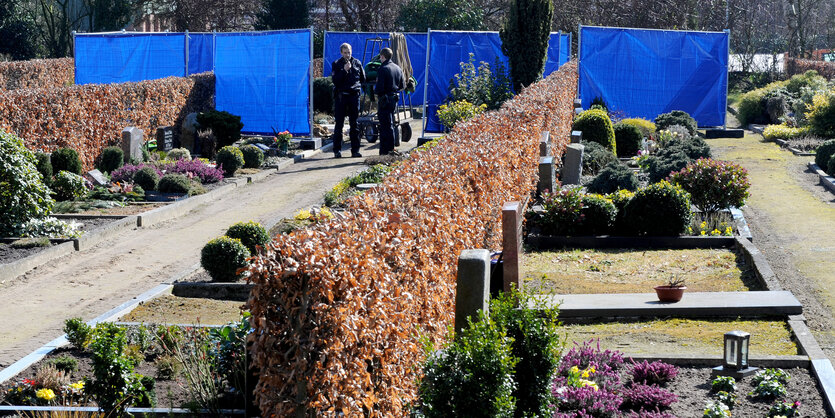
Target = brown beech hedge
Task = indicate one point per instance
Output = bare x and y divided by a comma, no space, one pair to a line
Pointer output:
36,74
340,309
90,117
799,66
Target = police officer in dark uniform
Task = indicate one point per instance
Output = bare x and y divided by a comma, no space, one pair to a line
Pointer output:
390,82
348,76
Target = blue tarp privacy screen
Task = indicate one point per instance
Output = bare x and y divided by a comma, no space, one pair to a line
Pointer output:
415,42
265,78
200,52
645,72
122,57
559,50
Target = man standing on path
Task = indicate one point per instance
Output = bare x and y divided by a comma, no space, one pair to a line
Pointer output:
348,77
390,82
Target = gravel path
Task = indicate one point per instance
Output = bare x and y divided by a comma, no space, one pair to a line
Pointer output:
88,283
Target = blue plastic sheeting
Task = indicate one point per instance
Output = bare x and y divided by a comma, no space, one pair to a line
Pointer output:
644,73
565,48
559,50
415,42
265,78
200,52
119,58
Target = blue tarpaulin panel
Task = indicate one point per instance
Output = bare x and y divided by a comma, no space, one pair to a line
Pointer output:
119,58
565,48
200,52
558,52
643,73
415,42
265,78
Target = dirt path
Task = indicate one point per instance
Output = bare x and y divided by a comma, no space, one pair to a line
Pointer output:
88,283
792,220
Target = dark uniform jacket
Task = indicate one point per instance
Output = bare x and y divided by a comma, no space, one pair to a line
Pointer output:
390,79
347,81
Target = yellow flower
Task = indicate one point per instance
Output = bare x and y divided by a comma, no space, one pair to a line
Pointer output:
326,213
77,386
729,231
585,374
715,232
45,394
302,215
703,233
588,383
574,370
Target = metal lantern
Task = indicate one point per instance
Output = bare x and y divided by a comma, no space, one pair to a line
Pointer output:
736,356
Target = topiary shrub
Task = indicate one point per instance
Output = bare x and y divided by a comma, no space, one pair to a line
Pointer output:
596,127
751,105
821,114
646,127
111,158
615,176
68,186
675,157
595,157
660,209
251,234
323,95
810,79
598,215
66,159
44,166
23,195
824,153
253,156
713,185
676,117
222,257
174,183
146,178
177,154
225,126
230,159
628,139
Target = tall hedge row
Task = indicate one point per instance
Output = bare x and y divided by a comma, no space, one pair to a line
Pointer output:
340,309
795,66
91,117
35,74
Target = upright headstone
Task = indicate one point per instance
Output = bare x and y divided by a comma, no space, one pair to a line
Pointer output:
472,290
545,144
578,110
547,174
165,138
576,137
132,140
188,132
511,243
578,103
572,168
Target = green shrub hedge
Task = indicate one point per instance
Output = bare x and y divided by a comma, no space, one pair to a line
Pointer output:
615,176
660,209
628,139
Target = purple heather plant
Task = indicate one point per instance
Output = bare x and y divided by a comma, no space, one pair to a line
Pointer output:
194,168
126,172
655,373
605,362
647,397
586,401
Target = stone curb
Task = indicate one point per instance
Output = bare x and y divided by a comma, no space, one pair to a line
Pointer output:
765,275
760,361
821,366
24,265
542,242
785,144
104,232
825,179
225,291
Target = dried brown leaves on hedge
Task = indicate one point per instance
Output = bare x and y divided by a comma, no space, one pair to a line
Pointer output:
36,74
90,117
799,66
339,309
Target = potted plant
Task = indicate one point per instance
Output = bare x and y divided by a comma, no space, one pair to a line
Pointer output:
672,291
282,141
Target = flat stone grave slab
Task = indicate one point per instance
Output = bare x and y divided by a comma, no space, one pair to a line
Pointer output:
694,304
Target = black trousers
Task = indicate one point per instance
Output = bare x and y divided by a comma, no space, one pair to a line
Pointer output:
346,105
385,112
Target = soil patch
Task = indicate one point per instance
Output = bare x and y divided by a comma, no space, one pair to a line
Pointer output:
635,271
87,225
171,309
123,210
700,337
9,254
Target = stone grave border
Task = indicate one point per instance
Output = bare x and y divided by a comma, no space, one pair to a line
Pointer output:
164,213
826,180
758,129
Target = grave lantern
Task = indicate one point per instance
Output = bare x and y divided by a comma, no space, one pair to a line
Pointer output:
736,356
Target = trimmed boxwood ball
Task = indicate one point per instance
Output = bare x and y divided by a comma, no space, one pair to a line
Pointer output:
179,154
110,159
595,157
222,257
253,156
66,159
676,117
146,178
598,215
174,183
628,139
596,127
44,166
824,153
615,176
659,209
250,233
230,159
68,186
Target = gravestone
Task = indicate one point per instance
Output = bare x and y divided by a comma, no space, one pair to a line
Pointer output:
132,140
472,290
578,103
97,178
545,144
310,143
165,138
262,147
547,174
572,169
576,137
188,132
511,244
578,110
